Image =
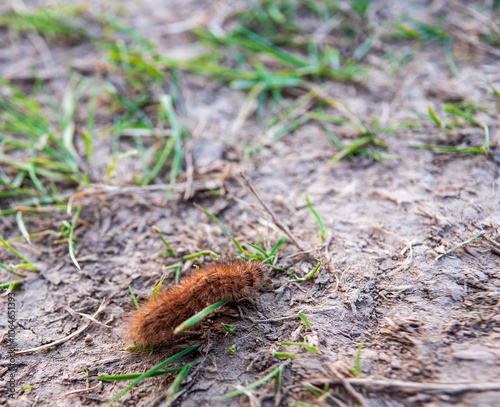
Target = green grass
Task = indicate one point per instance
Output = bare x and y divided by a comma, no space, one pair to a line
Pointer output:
170,249
311,274
236,58
464,111
432,34
229,328
210,253
52,22
305,345
157,288
434,117
357,366
264,54
26,264
181,376
285,355
151,372
177,267
322,230
276,372
200,315
301,404
10,286
40,161
259,253
48,149
304,319
133,376
133,298
38,131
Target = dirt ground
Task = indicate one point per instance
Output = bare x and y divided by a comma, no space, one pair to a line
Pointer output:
421,319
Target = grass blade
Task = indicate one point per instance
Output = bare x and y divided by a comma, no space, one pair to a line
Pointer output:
457,112
200,315
357,367
238,245
285,355
269,48
88,135
311,273
152,371
434,116
322,230
213,255
351,148
486,145
70,239
303,344
10,286
304,319
22,226
166,103
174,388
133,298
251,386
216,220
170,248
161,161
157,288
259,249
132,376
3,266
450,148
276,247
8,246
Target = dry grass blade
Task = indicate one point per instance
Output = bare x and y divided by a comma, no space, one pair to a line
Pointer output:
77,392
249,186
413,387
461,244
101,308
354,394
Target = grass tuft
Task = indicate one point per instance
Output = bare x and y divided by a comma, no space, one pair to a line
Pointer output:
152,371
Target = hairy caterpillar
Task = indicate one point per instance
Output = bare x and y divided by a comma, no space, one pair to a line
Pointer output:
155,321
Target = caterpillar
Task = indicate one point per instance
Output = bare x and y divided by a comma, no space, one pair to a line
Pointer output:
155,321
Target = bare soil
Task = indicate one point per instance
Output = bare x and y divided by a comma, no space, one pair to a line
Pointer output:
421,319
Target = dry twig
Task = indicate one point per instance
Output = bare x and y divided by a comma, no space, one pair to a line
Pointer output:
76,392
354,394
249,186
412,387
101,308
461,244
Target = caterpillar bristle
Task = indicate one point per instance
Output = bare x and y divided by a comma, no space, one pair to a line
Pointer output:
155,321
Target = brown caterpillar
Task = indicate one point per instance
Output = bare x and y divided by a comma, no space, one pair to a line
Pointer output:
155,321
